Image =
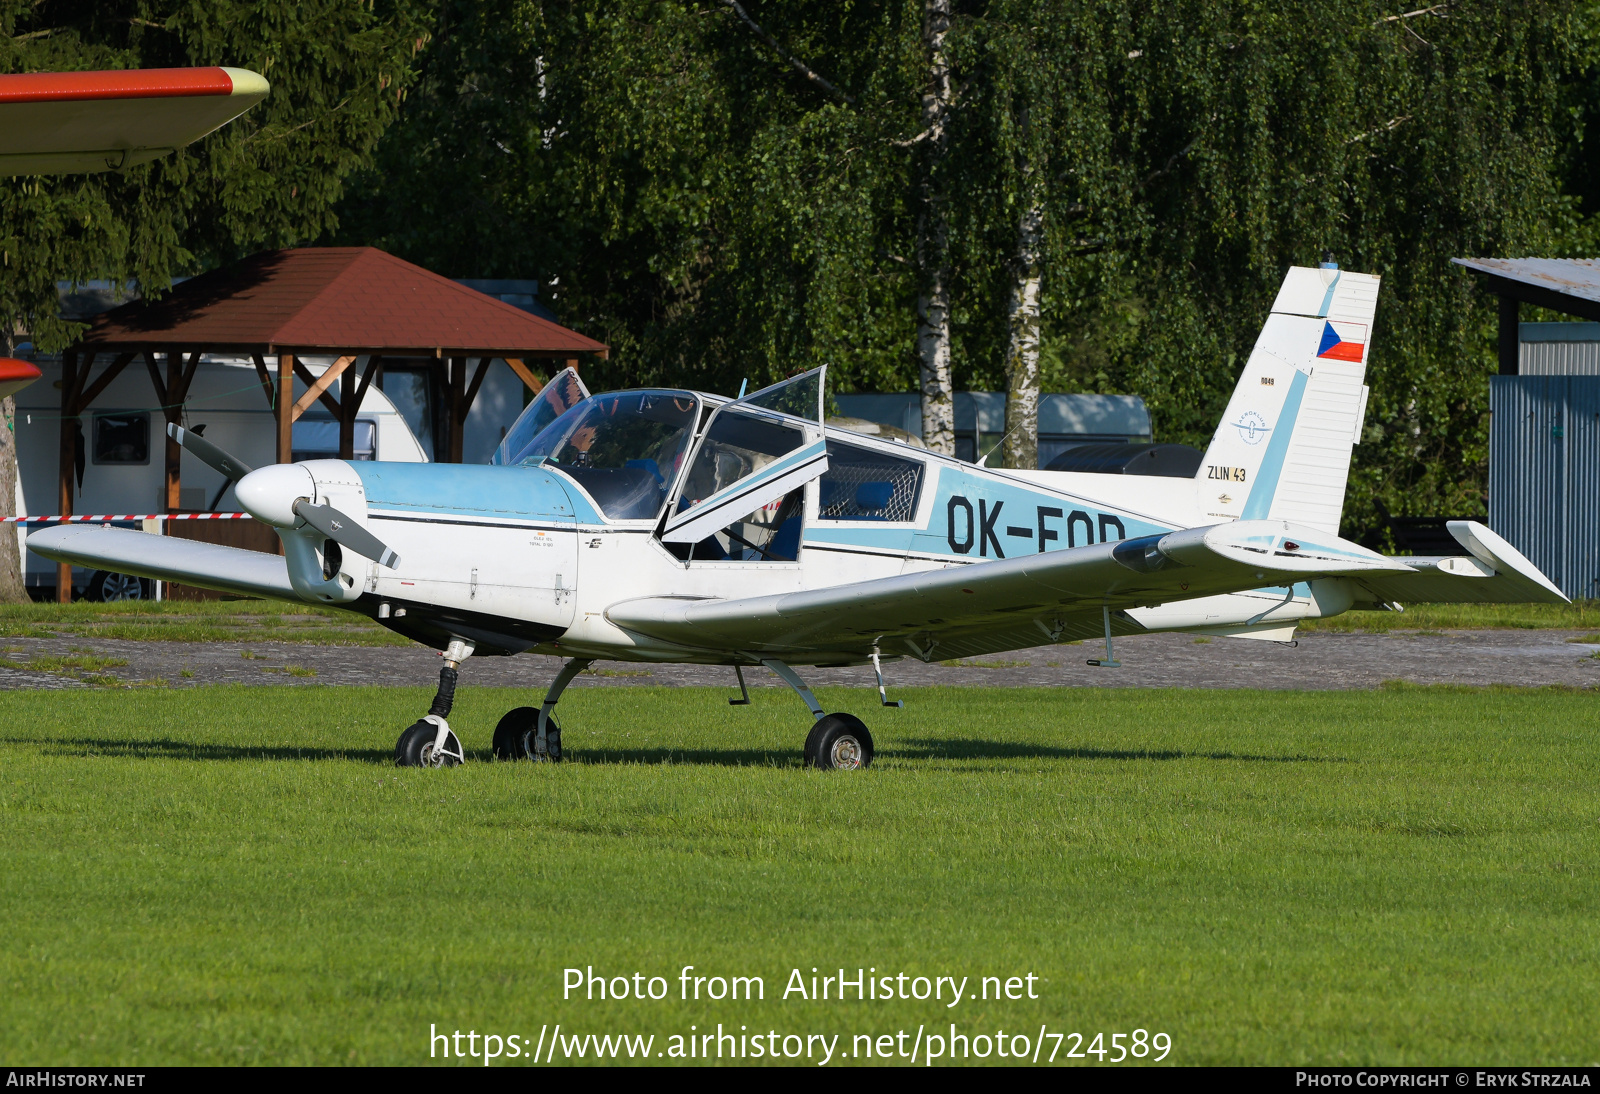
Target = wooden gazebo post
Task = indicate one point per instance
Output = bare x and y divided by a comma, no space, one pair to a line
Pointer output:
172,392
283,407
76,395
65,460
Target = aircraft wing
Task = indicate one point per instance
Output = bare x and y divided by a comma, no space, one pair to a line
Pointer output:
55,123
207,565
1042,597
1492,572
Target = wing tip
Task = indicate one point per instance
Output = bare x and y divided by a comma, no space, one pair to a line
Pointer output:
247,84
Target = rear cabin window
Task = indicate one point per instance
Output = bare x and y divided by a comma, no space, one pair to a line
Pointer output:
121,438
863,484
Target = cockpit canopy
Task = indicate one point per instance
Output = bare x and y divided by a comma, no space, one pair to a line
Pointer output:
624,448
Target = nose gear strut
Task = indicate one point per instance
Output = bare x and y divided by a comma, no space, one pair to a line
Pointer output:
430,742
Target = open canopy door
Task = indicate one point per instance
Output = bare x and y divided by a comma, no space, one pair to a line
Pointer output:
753,451
54,123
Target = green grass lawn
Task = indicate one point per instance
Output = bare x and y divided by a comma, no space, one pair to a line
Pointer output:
238,875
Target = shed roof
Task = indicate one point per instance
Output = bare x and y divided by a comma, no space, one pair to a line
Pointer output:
1570,285
342,299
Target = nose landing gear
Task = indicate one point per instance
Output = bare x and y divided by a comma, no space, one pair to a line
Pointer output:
430,742
420,744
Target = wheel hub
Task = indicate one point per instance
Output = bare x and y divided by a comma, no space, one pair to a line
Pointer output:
846,753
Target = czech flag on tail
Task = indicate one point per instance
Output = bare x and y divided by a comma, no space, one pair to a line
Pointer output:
1343,341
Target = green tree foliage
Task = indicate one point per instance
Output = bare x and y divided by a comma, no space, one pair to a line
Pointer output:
694,200
1393,142
338,72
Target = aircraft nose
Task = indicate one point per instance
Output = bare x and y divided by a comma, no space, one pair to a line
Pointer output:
269,493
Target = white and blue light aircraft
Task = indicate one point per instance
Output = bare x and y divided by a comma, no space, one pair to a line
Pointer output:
676,526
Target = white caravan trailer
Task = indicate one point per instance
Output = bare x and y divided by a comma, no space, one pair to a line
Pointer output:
122,465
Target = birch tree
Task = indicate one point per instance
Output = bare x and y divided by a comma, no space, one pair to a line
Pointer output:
1021,447
933,239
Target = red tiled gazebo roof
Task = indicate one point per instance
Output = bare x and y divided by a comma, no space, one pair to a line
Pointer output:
331,299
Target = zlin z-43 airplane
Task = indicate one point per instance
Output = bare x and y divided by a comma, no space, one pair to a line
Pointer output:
666,525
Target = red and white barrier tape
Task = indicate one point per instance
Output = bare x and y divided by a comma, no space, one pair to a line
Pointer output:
106,518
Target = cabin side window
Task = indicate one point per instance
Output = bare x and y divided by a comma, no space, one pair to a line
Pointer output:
121,438
864,484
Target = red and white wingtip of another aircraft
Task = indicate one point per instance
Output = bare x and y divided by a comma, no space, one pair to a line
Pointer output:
67,122
15,375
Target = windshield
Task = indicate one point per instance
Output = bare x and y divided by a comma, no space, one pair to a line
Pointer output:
562,393
623,448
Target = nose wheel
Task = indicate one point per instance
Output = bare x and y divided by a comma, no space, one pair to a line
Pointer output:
428,743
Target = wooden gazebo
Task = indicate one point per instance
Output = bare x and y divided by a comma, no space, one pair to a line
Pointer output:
358,305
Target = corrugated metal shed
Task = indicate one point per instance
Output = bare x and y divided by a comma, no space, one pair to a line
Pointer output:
1568,285
1544,474
1558,349
1574,282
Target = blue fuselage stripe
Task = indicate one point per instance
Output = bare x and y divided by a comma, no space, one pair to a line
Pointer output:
1327,298
1260,503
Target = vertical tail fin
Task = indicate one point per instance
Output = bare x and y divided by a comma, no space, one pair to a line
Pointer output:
1283,447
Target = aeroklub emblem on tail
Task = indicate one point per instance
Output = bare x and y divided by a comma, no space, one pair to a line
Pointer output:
1252,427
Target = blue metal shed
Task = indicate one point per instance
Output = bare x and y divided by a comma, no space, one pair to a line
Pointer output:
1544,474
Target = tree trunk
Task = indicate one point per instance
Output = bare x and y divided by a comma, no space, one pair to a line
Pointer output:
13,590
933,242
1022,347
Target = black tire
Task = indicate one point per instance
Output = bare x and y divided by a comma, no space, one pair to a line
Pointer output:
513,737
415,747
109,588
839,742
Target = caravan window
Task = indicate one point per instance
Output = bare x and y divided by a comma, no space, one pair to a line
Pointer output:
318,439
121,438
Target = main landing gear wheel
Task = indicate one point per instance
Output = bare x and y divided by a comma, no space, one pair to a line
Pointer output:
514,736
416,746
839,742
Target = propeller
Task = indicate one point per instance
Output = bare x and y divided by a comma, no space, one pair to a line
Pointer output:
344,530
230,467
338,526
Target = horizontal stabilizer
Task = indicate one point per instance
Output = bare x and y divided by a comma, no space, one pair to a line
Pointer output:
206,565
1492,572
